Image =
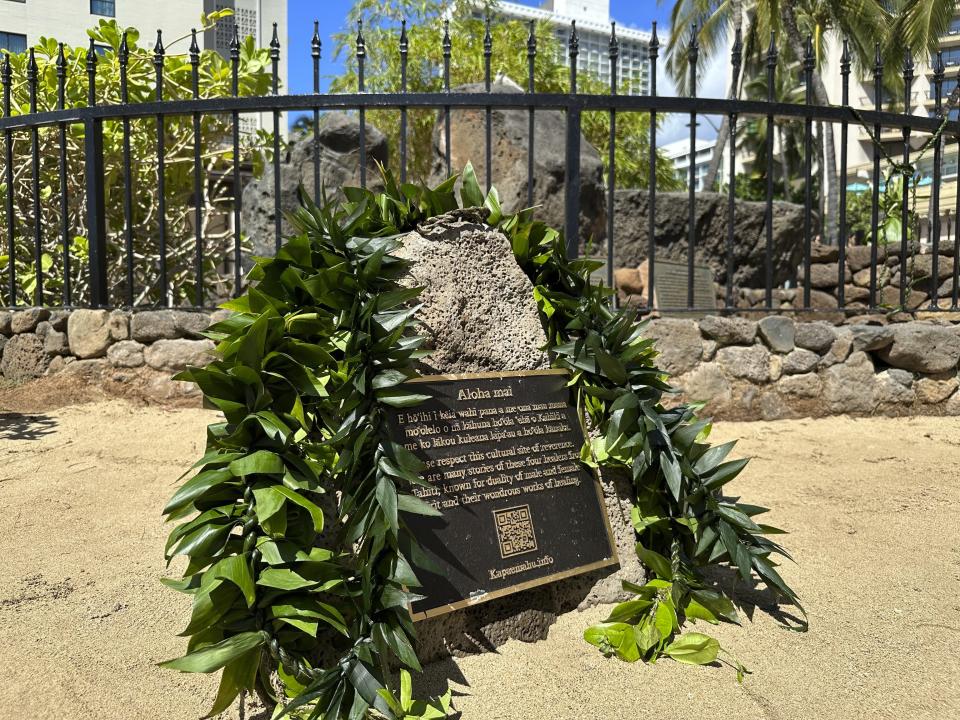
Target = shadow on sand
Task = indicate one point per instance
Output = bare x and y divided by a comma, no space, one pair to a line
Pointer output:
17,426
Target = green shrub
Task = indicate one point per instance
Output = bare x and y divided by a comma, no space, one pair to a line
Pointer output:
217,154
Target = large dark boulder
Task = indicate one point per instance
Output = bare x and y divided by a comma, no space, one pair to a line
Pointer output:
510,143
339,165
631,219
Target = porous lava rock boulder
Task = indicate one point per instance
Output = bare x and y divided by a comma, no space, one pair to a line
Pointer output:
480,315
478,307
631,239
339,158
510,147
24,358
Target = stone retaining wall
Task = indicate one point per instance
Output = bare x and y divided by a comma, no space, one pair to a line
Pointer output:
919,285
775,368
142,349
743,369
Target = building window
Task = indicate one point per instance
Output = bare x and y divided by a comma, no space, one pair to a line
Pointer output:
107,8
13,42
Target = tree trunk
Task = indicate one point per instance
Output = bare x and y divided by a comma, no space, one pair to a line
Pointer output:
714,168
786,171
820,95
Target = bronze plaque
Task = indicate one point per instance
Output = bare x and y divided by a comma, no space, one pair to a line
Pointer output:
670,289
519,508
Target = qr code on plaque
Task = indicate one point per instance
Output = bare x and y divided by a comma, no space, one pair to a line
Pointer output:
515,530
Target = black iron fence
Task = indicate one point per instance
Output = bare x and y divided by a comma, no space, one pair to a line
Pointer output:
104,187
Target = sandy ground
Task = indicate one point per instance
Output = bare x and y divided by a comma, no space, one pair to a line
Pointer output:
873,507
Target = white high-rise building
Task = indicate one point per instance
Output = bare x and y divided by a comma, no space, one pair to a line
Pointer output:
678,152
593,28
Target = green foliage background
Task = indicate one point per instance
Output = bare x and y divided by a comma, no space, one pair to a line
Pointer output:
217,156
425,74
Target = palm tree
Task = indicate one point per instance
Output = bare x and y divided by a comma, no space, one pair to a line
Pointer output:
915,25
858,20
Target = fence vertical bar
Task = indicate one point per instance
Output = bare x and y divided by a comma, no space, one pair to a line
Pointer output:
736,60
653,50
315,55
772,55
93,171
158,55
35,181
808,65
6,78
275,72
198,199
67,294
875,204
124,58
237,186
955,295
614,55
447,46
905,180
361,87
693,53
531,61
404,50
842,223
488,128
938,74
572,169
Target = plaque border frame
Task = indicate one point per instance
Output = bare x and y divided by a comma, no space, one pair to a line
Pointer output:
614,558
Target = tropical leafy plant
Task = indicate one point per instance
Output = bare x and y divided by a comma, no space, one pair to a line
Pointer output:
299,558
217,158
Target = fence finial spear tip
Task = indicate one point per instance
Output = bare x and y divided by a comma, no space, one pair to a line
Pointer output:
91,56
275,40
574,43
124,47
877,60
194,47
61,59
158,48
845,55
315,43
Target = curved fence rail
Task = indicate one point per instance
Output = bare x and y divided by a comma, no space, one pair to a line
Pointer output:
100,214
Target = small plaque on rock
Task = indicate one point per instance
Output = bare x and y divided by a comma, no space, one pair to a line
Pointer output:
519,508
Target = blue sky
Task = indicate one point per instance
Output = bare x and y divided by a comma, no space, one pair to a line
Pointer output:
332,16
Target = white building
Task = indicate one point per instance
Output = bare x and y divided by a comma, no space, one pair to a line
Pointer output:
593,28
24,22
678,153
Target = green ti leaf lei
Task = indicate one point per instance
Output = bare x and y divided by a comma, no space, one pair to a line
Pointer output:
299,562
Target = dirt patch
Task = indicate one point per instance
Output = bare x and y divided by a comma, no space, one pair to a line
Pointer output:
97,383
873,507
